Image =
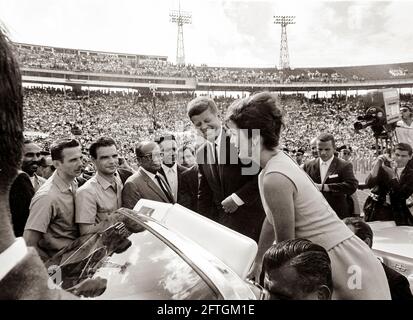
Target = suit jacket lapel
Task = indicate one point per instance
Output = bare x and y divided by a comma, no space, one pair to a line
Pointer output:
331,169
152,185
317,174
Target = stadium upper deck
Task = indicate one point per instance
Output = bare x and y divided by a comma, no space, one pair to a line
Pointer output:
90,65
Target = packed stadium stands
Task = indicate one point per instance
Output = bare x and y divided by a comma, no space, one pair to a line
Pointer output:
50,58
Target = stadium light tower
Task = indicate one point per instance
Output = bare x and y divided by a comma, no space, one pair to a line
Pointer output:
180,18
284,56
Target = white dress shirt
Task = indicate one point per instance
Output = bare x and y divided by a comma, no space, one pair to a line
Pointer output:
172,177
217,145
324,165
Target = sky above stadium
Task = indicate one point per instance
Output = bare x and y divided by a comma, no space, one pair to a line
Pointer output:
222,33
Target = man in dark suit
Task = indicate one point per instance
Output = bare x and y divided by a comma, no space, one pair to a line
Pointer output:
21,194
228,189
398,283
189,188
334,177
147,182
173,172
399,183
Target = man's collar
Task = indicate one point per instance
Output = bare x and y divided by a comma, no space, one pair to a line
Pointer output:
149,174
61,184
166,168
103,182
328,162
218,139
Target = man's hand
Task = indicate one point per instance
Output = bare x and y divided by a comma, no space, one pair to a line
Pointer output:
229,205
389,171
318,185
255,272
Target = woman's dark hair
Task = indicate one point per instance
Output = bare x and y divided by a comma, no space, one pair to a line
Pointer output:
260,111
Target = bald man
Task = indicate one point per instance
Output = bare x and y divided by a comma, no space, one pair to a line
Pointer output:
147,182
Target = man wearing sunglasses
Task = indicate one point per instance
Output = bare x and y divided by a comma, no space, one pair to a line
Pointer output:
404,130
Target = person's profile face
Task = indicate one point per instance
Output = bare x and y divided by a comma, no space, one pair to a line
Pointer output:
207,124
314,150
71,163
239,138
188,158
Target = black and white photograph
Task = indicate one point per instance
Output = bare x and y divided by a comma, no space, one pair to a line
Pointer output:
239,150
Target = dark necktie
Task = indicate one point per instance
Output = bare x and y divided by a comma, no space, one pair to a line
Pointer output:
216,153
164,188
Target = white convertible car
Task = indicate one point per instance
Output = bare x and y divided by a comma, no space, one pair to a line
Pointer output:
159,251
394,246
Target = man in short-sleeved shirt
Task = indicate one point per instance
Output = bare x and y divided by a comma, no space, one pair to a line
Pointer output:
51,223
102,194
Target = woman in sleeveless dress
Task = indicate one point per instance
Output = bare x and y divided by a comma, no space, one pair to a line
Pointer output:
295,208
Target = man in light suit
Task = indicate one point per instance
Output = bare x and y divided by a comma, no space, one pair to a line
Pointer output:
147,182
228,188
334,177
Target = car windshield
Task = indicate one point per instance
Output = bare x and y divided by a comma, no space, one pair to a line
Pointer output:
112,265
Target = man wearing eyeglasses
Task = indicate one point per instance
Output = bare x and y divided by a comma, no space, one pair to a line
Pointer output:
404,130
147,182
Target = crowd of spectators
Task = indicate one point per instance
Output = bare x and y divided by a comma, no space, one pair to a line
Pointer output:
51,114
93,62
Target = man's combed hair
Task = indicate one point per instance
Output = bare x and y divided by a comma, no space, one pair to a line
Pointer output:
261,111
101,142
310,260
326,137
56,150
404,147
361,228
199,105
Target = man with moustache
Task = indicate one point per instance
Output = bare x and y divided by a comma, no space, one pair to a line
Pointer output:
24,187
31,162
51,224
